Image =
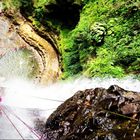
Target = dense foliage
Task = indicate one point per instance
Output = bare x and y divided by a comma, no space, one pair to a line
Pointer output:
104,40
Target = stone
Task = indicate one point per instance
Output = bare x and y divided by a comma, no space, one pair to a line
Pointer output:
95,114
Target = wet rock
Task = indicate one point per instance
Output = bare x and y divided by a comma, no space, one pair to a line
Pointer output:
96,114
39,126
16,30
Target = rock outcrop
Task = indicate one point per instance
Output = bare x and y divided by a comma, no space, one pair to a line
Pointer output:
96,114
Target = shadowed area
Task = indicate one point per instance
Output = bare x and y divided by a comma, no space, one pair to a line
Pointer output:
67,12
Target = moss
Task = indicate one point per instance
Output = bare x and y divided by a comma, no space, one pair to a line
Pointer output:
103,65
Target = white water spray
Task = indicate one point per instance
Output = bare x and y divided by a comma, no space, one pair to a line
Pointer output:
28,95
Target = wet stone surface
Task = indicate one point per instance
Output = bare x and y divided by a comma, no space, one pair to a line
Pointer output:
96,114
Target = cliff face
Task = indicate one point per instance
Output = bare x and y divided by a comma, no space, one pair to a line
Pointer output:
49,59
18,35
99,113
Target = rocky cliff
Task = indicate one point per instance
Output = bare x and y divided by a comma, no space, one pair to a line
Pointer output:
95,38
18,34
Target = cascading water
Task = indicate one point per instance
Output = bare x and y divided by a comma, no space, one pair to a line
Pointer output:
25,94
16,59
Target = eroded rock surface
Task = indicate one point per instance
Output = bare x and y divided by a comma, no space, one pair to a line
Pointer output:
96,114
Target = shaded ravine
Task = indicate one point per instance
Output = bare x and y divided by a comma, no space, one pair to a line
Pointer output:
45,54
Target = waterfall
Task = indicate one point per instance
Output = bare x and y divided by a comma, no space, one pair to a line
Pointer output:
18,68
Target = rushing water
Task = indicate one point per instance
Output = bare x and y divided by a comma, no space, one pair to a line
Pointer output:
16,59
36,96
18,63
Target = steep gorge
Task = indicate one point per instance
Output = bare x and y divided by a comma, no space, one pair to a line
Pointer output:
103,40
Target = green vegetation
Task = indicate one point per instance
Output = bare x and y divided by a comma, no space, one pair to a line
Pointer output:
104,40
107,40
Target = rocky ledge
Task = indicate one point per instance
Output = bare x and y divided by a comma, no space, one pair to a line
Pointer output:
96,114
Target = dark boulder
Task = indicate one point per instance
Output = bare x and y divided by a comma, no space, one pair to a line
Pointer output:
96,114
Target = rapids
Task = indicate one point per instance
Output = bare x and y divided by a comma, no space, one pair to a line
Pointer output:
26,94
